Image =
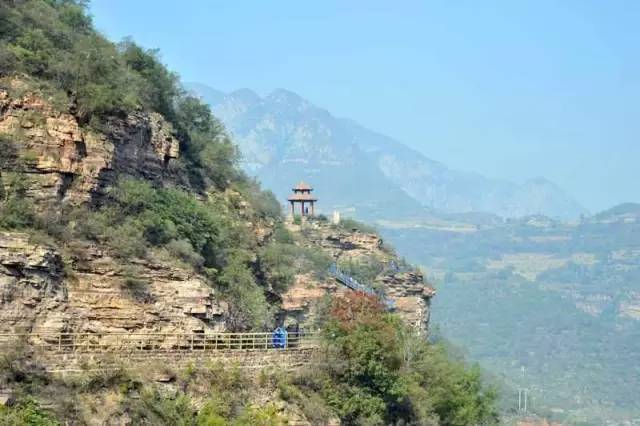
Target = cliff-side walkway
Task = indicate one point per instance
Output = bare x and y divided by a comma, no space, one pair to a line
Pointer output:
76,352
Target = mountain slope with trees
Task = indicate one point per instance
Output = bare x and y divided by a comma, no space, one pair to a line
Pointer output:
115,181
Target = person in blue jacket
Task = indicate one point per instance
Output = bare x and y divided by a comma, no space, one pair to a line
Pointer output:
279,338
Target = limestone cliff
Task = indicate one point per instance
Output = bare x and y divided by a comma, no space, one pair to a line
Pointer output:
97,294
82,287
66,162
406,287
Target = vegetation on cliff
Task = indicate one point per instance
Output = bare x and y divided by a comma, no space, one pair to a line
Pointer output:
378,371
371,370
213,222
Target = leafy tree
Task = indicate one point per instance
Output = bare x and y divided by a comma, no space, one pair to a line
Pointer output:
158,86
248,308
365,269
205,143
367,359
277,265
380,372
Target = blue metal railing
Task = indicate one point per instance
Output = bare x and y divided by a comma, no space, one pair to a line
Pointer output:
355,285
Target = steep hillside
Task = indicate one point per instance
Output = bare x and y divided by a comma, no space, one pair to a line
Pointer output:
283,129
142,273
186,247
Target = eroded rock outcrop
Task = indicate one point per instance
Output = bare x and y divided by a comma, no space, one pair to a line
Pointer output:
305,299
32,287
66,162
94,293
89,291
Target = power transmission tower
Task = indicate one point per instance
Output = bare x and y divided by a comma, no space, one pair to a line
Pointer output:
523,399
523,395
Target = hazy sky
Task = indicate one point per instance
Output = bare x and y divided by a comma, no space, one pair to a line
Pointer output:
512,89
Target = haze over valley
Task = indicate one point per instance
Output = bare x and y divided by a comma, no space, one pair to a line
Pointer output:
283,137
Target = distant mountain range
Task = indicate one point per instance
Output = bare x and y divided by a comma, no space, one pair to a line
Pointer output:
284,138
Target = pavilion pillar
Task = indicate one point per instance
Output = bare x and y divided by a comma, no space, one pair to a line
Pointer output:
302,209
292,209
313,210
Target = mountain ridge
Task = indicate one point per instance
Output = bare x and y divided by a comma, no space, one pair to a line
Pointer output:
282,128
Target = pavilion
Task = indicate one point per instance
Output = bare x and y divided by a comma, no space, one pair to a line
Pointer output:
302,195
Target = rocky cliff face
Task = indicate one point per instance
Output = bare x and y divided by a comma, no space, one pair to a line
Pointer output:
408,290
84,289
80,287
93,293
66,162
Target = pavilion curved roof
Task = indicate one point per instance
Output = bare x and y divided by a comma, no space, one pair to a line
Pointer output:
301,186
302,197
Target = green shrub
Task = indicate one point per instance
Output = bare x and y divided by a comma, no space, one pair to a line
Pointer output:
26,412
211,156
183,250
315,261
278,265
282,234
280,262
17,213
158,87
248,308
364,269
264,203
135,286
266,415
353,225
157,409
215,412
140,215
128,238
